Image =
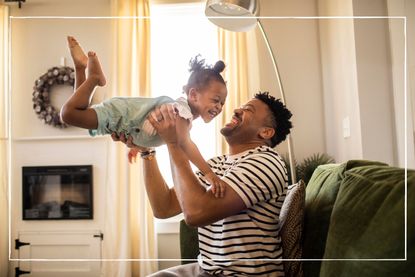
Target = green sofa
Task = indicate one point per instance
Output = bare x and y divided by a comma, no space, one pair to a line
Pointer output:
356,211
354,222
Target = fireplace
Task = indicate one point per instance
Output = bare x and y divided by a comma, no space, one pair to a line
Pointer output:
57,192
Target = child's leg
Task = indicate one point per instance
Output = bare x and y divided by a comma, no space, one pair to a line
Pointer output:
79,59
75,111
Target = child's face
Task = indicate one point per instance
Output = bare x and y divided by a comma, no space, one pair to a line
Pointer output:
209,101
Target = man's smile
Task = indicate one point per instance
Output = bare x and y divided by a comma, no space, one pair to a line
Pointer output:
234,121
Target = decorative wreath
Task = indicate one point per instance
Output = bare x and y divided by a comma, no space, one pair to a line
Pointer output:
41,101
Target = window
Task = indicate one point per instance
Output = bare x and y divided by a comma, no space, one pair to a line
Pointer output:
180,32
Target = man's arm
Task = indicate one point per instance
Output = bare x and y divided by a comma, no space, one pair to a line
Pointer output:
162,199
198,205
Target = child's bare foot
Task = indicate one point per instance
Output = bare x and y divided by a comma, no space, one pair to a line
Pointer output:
94,69
78,56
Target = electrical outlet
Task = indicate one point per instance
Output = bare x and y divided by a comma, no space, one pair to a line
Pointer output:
346,127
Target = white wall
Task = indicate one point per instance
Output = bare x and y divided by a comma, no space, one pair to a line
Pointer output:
409,12
361,81
295,43
317,63
396,27
408,9
375,83
340,81
37,45
341,71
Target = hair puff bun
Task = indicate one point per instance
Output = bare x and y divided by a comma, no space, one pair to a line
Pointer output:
219,66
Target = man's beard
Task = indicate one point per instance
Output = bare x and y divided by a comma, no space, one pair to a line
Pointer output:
225,131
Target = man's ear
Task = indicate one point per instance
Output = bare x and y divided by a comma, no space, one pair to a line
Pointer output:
266,132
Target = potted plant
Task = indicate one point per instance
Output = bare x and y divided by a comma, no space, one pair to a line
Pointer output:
305,169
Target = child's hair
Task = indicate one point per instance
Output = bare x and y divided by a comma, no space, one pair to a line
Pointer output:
201,74
280,119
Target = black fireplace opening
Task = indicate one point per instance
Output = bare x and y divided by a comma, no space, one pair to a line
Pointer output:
57,192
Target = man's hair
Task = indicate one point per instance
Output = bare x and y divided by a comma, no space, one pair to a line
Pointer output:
280,117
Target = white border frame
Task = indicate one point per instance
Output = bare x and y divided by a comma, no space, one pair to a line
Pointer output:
10,137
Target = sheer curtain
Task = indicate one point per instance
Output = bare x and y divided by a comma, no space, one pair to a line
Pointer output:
238,50
129,227
4,225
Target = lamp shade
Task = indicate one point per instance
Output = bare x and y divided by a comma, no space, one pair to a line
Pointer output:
244,11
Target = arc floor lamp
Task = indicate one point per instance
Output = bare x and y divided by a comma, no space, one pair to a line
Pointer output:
242,16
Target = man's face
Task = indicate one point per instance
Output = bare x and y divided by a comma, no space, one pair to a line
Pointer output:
247,121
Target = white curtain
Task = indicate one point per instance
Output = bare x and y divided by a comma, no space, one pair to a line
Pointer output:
238,50
4,235
129,227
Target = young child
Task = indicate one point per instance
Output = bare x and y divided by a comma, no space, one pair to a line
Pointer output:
206,93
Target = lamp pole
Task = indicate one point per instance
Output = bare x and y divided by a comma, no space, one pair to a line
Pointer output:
245,12
277,73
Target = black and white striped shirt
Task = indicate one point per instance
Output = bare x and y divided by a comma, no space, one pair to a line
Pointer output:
248,243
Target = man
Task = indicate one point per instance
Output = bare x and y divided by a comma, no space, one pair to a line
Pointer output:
239,231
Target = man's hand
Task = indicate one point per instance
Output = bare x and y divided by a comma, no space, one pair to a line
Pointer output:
163,119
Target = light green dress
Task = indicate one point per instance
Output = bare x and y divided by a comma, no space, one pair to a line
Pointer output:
128,115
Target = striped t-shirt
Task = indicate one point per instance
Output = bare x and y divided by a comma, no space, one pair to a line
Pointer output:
248,243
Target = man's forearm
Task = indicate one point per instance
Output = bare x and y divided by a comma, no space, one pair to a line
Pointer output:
162,199
199,206
191,195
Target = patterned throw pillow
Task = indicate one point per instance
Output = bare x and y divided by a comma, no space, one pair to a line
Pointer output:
292,220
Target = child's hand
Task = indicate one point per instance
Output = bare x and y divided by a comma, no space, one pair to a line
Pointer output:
218,187
132,155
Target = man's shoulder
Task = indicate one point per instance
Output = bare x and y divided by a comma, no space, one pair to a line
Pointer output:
262,151
218,160
263,157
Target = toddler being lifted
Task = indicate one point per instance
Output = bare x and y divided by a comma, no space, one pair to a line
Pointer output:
205,96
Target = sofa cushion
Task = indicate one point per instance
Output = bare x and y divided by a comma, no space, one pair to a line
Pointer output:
321,193
368,222
292,218
189,243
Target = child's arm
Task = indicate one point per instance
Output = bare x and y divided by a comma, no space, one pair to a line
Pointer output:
194,155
